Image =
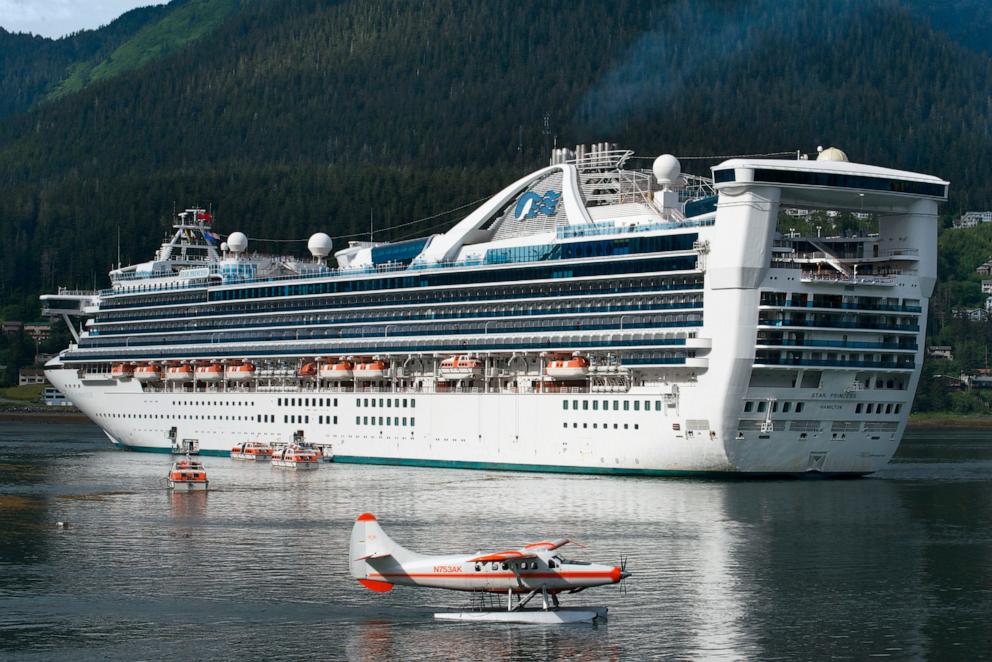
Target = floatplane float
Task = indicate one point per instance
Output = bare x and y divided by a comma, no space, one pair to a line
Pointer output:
537,569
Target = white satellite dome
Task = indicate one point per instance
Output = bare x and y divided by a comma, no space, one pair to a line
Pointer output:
223,246
320,245
666,169
830,154
237,242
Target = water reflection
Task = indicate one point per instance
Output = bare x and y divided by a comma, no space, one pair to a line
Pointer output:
896,565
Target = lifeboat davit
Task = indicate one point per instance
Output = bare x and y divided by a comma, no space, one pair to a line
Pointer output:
148,373
179,373
210,373
187,475
568,367
308,370
122,371
374,369
337,371
460,367
241,373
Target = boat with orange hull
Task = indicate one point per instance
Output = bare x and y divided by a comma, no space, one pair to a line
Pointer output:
252,450
187,476
296,457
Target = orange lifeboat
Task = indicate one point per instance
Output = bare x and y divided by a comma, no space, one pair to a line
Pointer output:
187,475
337,371
296,457
179,373
252,450
308,370
213,372
568,367
374,369
148,373
460,367
122,371
241,373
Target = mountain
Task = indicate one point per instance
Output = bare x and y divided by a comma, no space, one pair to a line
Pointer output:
291,116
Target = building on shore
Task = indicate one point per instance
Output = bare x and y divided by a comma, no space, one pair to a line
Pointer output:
940,352
30,376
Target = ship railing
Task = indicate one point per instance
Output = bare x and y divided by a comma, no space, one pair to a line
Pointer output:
616,227
852,280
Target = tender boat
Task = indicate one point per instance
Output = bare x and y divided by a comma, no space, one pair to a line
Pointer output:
122,371
241,373
308,370
210,373
179,373
188,475
568,367
148,373
296,457
460,367
337,371
252,450
374,369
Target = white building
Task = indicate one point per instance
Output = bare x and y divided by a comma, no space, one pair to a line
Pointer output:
971,219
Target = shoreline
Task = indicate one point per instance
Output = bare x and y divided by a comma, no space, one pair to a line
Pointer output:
41,416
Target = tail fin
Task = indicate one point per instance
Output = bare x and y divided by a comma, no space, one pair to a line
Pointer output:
370,545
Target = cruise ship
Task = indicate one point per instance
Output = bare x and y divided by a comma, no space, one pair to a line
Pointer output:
592,317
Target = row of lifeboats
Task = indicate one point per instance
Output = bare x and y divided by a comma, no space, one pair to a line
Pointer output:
291,456
341,370
459,367
184,372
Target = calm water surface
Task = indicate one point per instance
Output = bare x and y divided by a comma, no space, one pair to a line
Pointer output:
898,565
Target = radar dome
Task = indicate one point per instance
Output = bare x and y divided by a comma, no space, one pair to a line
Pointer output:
666,169
237,242
831,154
223,246
320,245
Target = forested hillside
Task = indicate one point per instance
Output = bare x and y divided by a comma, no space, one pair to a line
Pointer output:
288,116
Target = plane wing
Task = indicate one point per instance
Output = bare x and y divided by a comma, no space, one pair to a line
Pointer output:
526,552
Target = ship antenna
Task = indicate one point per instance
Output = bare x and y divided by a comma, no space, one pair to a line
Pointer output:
371,225
118,245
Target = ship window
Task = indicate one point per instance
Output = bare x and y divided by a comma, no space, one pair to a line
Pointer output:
870,408
279,402
575,405
585,425
564,425
595,405
888,409
320,420
575,425
413,403
762,406
564,404
637,405
775,406
585,404
657,405
626,426
404,420
857,408
799,406
358,420
647,405
389,402
786,406
595,426
616,405
335,402
412,421
335,421
636,426
380,402
285,419
606,405
404,402
306,419
380,420
626,405
366,402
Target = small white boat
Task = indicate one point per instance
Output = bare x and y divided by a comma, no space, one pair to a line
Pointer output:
296,457
243,372
179,373
187,476
374,369
338,371
210,373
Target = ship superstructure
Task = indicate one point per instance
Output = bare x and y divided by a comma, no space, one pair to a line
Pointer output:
590,317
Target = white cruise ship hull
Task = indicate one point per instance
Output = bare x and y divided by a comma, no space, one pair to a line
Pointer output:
503,431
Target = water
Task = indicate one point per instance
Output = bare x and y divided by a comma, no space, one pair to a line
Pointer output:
898,565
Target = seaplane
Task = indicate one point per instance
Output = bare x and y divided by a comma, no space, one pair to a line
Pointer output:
379,564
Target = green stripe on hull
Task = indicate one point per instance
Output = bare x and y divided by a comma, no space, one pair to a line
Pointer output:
562,469
164,449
